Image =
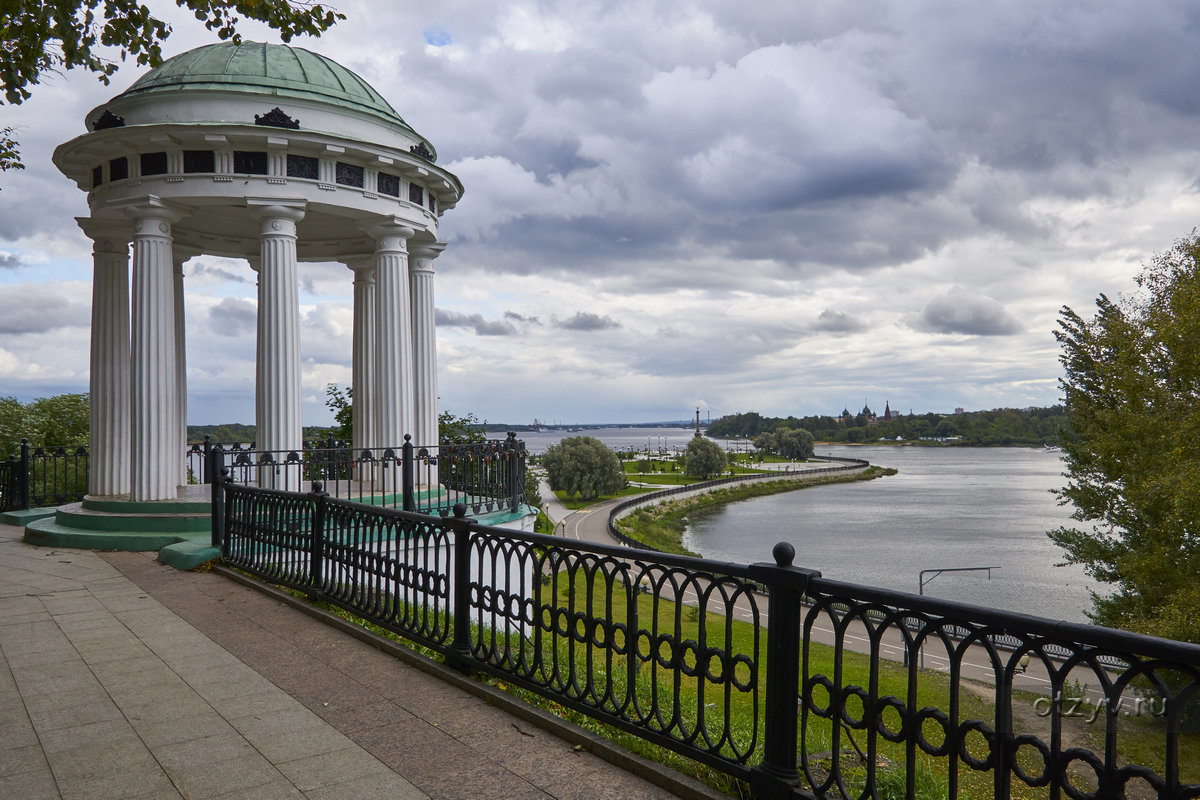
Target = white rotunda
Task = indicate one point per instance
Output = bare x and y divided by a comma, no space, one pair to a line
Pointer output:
276,155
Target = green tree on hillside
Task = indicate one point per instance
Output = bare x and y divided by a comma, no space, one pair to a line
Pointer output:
1133,447
704,458
59,421
583,465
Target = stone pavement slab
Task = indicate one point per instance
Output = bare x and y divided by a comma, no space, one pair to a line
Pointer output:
120,677
95,699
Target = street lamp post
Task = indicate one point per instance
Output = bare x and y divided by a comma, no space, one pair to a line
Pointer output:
933,573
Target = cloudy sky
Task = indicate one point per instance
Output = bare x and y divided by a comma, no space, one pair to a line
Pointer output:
781,207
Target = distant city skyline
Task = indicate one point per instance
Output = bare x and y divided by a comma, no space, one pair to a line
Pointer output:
699,204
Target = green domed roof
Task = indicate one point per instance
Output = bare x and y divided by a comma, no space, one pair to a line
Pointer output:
270,69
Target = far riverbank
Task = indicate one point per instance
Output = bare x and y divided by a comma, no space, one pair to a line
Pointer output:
662,526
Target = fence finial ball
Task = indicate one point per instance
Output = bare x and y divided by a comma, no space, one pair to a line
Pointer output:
460,510
784,553
318,487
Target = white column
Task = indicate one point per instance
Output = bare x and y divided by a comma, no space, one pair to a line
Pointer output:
362,379
393,341
181,366
155,429
255,262
425,414
277,389
108,383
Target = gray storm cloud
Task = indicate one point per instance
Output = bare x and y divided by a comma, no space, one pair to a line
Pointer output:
40,309
233,317
961,312
587,321
481,326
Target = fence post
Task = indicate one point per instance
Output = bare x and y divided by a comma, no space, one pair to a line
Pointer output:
774,778
406,474
218,510
204,468
515,481
459,654
316,564
25,472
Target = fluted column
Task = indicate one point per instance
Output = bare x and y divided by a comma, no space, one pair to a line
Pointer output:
393,341
154,409
362,379
425,411
277,385
178,259
108,382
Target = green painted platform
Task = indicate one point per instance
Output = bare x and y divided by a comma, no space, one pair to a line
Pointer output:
24,517
118,523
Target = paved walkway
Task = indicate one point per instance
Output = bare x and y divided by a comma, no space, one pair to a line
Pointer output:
121,678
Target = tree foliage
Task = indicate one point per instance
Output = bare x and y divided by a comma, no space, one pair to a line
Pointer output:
1132,389
41,37
341,402
1000,426
583,465
59,421
793,443
704,458
452,429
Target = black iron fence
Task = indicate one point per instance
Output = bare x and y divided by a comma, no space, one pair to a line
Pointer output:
802,686
485,477
36,477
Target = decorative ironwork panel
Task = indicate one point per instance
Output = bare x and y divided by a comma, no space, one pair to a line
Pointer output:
269,533
11,497
422,150
154,163
388,184
303,167
416,194
118,169
349,174
250,162
389,567
1009,714
199,161
644,644
57,475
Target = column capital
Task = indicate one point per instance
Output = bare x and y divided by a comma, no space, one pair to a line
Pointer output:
107,235
269,208
151,216
424,254
361,266
276,218
390,234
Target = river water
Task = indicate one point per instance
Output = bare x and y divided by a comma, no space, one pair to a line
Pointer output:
947,507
